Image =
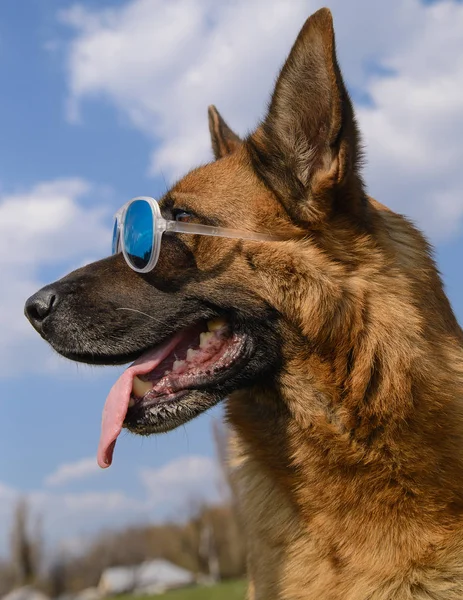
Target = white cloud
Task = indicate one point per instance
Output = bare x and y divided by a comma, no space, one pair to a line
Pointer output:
83,503
72,471
414,129
181,481
7,495
161,63
168,490
64,516
46,226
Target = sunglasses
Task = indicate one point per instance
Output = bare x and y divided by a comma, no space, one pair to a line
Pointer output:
138,229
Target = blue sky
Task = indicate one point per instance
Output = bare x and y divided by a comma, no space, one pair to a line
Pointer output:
103,101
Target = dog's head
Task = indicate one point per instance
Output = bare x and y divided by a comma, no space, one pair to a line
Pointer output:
218,315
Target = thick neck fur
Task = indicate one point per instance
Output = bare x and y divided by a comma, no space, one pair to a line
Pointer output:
353,463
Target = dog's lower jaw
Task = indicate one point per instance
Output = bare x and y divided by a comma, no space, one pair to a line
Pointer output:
168,415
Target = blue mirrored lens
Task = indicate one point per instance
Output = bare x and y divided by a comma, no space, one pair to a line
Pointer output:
115,242
138,233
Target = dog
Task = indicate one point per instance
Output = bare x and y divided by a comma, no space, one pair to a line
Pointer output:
334,346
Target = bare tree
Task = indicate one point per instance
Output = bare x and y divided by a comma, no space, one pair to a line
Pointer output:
208,547
7,578
229,528
57,577
25,544
229,493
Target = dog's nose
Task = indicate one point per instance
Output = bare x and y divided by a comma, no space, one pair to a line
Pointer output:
40,305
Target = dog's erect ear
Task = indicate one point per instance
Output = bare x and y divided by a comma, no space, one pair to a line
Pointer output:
224,140
306,149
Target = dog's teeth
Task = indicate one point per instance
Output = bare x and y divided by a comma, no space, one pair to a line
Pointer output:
140,387
178,364
204,338
190,355
216,324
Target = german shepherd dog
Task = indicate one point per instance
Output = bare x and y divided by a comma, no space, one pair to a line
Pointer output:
335,347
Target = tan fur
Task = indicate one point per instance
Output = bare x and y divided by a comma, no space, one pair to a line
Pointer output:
350,469
356,491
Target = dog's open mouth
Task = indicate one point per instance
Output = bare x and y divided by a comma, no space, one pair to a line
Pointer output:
194,358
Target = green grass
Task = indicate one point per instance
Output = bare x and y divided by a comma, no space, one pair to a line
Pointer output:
231,590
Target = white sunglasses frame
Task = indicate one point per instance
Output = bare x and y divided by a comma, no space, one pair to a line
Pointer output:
161,225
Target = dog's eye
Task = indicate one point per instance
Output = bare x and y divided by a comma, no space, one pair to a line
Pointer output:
182,216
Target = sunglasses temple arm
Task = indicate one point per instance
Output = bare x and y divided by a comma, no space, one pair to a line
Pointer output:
197,228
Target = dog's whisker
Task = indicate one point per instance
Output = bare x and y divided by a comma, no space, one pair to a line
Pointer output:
141,313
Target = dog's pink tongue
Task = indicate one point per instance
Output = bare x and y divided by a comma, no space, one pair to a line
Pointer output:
117,402
114,411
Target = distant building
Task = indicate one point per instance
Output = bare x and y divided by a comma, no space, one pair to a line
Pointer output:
117,580
25,593
152,577
91,593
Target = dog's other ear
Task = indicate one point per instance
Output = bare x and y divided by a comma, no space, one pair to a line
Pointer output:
306,149
224,140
